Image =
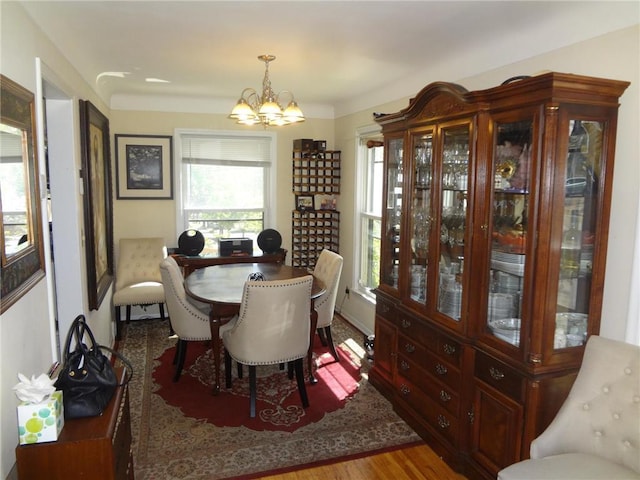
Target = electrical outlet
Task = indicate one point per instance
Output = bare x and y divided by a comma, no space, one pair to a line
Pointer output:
347,291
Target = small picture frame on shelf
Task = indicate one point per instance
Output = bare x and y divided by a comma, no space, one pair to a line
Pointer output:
305,203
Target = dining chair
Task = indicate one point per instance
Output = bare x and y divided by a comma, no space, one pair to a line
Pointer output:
328,269
189,318
138,280
272,327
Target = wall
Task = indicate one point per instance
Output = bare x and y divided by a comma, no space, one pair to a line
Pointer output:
615,55
27,336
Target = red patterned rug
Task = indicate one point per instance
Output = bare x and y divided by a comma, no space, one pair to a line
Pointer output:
278,405
182,431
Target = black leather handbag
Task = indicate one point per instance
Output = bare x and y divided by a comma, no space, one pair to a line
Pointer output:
87,377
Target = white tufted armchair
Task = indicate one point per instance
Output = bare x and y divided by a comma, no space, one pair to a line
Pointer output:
189,318
273,327
138,280
596,433
328,269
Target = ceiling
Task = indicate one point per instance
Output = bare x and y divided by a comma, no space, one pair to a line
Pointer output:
335,56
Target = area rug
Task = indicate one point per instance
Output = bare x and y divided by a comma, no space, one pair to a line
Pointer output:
278,404
171,444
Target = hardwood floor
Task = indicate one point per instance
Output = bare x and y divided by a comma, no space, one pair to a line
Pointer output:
413,463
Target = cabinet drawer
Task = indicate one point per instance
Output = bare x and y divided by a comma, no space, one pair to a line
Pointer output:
385,308
449,350
500,376
435,365
441,393
418,331
438,418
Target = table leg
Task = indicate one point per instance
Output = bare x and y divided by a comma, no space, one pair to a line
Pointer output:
314,326
214,322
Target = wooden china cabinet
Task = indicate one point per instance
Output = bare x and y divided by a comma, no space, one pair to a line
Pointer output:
493,257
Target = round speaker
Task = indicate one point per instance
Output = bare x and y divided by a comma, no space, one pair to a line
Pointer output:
269,241
191,242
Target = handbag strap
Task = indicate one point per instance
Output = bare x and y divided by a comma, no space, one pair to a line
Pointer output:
77,329
124,360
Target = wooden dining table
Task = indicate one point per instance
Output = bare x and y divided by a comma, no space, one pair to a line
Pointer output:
221,286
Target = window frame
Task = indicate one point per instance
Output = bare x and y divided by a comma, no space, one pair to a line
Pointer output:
270,208
363,134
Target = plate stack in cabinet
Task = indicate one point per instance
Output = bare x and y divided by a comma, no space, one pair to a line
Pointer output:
316,174
496,208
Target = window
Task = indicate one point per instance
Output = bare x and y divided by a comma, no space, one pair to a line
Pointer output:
225,185
370,168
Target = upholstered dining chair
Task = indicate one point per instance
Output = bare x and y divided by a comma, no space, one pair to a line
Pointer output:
596,432
272,327
138,280
328,269
189,318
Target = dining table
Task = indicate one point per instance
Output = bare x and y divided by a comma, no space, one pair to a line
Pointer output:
221,286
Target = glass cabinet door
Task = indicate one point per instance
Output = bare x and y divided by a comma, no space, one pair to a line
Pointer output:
454,174
579,222
393,212
508,228
420,214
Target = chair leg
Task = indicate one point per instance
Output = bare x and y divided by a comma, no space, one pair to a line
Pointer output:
252,391
299,367
323,338
177,354
332,346
239,368
118,324
182,353
227,369
128,313
290,370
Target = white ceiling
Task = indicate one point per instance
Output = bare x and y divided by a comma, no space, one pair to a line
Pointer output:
335,56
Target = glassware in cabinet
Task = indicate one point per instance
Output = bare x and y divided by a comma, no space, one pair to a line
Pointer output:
579,223
393,212
454,174
510,199
421,214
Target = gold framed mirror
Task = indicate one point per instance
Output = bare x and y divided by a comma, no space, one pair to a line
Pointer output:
21,246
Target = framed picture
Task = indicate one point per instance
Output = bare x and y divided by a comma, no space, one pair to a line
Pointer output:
98,219
304,203
144,167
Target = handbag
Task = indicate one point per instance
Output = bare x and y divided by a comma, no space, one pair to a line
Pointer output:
87,377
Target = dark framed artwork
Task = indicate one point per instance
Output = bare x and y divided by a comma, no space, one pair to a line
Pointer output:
305,203
144,167
98,215
21,242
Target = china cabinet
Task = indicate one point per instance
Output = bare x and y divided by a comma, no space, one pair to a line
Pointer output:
496,209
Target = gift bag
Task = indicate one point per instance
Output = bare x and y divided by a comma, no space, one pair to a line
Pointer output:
87,378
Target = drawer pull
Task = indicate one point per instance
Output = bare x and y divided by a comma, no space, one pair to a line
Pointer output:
441,369
405,323
471,416
384,308
443,422
404,365
410,348
405,390
449,349
495,373
444,396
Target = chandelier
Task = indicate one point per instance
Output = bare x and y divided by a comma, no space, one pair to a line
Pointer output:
253,108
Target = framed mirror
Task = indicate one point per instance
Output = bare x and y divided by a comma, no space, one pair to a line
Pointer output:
21,246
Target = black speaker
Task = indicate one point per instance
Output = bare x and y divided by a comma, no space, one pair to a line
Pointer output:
269,241
191,242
